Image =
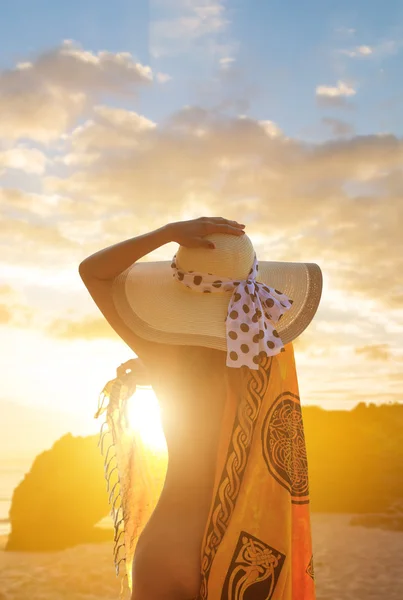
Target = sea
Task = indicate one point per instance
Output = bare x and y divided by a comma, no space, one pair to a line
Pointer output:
11,473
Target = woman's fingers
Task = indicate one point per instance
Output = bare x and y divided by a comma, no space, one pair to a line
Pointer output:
232,223
222,221
225,228
189,233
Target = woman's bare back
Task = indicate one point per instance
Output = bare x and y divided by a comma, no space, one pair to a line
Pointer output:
167,558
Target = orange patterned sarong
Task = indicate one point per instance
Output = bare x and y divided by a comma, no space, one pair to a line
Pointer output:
257,542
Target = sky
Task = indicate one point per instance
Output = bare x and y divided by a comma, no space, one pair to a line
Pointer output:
116,118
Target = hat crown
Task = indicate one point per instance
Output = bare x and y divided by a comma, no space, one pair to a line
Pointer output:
232,257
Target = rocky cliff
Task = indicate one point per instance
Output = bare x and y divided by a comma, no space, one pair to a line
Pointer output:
61,498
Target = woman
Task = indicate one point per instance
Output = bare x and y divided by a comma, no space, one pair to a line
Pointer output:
232,518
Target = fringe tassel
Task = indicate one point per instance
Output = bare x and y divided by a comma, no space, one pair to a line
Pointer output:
118,514
114,397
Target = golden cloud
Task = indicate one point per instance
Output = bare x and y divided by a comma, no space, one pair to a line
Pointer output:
396,376
338,203
31,240
118,174
88,328
5,315
13,311
43,98
107,130
30,160
375,351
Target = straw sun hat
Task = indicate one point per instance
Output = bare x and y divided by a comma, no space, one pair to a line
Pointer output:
159,308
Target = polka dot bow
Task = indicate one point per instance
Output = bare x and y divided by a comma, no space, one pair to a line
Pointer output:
252,309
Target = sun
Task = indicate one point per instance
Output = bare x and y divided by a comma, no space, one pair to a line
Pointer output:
145,419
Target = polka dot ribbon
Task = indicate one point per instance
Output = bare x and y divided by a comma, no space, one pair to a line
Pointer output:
252,310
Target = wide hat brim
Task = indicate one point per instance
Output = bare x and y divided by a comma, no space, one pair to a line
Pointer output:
158,308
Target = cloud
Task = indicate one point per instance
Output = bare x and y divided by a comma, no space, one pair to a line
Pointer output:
31,207
163,77
47,236
345,195
342,89
30,160
88,328
108,130
358,52
396,376
338,128
381,50
13,311
188,24
334,95
337,203
26,205
271,129
122,174
5,315
118,174
43,98
226,62
375,351
30,236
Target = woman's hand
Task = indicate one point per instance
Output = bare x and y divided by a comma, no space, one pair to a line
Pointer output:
191,233
137,367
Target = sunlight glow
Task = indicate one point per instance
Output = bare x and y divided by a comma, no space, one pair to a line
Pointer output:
145,418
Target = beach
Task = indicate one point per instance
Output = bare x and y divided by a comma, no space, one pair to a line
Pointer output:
351,563
82,573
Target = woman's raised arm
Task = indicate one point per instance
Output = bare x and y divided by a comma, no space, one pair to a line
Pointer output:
110,262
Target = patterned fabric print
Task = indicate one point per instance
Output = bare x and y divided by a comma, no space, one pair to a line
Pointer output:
284,448
310,569
252,310
235,465
254,570
257,543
